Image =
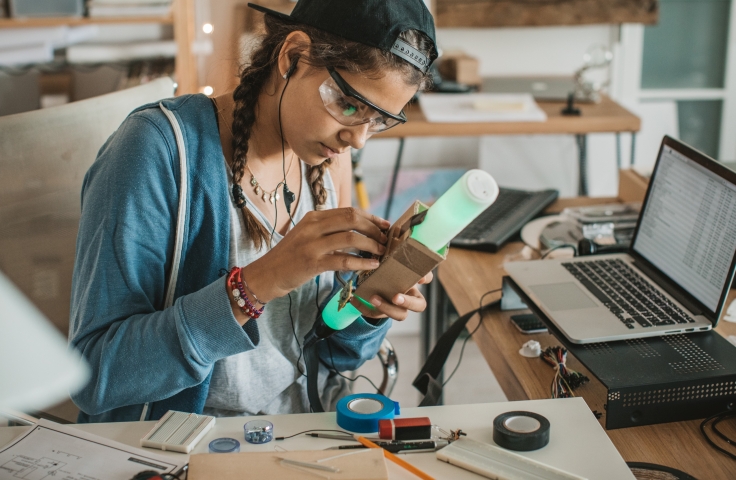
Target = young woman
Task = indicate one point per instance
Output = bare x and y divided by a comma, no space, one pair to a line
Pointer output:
268,222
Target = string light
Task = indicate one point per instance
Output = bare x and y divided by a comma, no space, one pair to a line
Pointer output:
207,28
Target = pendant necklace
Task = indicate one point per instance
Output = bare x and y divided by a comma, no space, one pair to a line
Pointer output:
272,196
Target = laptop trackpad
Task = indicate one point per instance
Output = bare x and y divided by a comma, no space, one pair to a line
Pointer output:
563,296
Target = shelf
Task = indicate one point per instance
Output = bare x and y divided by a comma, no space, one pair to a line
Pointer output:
74,21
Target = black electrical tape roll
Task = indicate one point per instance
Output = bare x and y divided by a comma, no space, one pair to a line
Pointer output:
521,431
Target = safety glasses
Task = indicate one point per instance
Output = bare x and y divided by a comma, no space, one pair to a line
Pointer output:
350,108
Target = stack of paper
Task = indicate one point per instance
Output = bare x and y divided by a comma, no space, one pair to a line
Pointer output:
480,107
128,8
37,45
119,52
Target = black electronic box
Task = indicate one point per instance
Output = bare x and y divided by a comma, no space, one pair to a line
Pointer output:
657,379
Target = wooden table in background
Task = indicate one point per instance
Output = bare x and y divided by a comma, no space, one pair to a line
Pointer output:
467,275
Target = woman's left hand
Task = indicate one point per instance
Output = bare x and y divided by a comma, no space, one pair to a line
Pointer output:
399,306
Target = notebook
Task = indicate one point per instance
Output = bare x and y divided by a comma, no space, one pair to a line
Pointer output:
676,274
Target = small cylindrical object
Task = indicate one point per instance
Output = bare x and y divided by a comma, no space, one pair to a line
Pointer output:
224,445
521,431
258,431
339,319
418,428
475,191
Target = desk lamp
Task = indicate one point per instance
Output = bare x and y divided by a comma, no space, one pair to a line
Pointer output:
37,368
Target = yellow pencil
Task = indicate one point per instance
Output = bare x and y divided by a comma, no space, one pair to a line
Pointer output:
396,459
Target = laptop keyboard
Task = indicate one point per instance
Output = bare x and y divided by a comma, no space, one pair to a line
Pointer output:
626,294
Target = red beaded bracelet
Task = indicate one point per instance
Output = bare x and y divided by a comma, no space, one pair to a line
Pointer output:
239,295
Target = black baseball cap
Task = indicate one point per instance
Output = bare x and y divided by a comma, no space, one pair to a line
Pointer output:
376,23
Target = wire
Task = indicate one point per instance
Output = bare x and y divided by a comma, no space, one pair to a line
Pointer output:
566,245
721,434
275,218
566,380
296,339
283,153
332,360
480,321
718,417
316,430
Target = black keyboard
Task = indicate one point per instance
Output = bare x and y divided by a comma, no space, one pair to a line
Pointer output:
626,294
502,220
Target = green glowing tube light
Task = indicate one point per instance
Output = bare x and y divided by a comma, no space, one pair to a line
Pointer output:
337,320
475,191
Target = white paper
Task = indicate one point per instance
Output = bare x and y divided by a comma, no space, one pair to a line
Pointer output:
480,107
52,451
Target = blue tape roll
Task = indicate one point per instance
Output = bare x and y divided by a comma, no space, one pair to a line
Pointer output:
361,412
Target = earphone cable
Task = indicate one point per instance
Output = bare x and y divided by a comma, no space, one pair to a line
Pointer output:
287,201
480,322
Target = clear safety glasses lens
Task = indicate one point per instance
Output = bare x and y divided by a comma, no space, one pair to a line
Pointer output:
350,111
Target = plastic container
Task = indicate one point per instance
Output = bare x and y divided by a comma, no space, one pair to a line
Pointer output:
258,431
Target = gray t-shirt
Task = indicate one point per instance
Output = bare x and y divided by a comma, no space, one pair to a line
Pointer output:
266,380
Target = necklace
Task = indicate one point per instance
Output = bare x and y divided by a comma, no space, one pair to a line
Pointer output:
272,196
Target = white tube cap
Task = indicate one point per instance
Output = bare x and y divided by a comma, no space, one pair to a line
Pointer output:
481,186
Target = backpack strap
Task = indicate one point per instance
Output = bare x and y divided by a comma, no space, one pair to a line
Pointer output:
180,219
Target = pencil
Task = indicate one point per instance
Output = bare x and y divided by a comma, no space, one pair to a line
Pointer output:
408,466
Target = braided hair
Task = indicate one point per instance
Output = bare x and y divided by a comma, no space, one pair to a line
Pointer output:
324,50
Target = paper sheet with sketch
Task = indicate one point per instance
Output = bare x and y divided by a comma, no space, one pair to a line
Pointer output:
51,451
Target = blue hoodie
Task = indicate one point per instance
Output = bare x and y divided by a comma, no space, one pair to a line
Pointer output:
140,352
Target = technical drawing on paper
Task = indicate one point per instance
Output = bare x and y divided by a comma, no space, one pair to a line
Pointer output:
29,468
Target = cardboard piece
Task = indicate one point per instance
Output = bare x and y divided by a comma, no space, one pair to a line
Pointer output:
632,187
461,68
368,464
405,262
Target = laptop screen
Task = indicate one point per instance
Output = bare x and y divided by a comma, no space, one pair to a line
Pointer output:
688,226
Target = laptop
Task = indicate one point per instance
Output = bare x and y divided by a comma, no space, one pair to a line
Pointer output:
678,270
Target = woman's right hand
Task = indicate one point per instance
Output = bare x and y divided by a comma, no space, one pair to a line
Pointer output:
311,248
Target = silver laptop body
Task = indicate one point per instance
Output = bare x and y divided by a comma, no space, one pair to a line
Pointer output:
678,271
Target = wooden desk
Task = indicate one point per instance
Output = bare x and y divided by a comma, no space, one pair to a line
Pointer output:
466,275
606,116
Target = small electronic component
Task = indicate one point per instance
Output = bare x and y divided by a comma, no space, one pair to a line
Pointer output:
178,431
418,428
258,431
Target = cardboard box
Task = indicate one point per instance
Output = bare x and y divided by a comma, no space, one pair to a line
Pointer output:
632,187
460,67
405,262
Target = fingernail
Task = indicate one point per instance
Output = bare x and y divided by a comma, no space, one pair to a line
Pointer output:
381,249
375,263
399,300
375,301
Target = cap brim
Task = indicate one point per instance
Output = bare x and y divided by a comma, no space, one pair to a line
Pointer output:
268,11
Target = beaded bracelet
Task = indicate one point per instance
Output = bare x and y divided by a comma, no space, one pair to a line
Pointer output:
240,276
241,299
